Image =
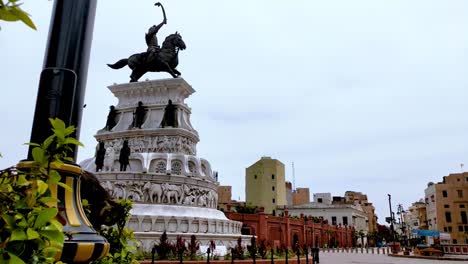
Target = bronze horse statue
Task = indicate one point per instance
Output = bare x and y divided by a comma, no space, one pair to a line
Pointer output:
164,60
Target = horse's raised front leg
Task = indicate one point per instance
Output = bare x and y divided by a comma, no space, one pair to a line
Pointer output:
170,70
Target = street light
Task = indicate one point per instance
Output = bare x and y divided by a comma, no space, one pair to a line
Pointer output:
392,220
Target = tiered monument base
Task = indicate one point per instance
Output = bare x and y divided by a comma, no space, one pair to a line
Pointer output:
173,189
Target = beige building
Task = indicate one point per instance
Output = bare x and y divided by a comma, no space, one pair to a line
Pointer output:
301,196
415,217
265,184
447,206
361,199
224,197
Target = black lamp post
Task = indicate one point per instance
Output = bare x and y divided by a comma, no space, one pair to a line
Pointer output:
60,95
392,220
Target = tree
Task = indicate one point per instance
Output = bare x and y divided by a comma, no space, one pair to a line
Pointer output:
11,11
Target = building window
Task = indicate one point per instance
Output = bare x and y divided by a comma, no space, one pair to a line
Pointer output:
446,206
445,229
448,217
460,193
272,176
274,201
449,229
273,188
463,217
255,176
466,228
319,200
274,212
462,206
455,241
444,193
333,220
460,228
345,220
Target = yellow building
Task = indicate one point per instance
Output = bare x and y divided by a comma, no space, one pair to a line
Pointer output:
447,206
265,184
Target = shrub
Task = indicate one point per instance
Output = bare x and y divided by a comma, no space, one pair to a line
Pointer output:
238,250
164,248
193,247
252,248
120,239
30,227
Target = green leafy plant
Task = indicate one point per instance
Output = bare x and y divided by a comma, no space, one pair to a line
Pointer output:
165,248
252,248
10,11
238,252
121,239
30,227
193,247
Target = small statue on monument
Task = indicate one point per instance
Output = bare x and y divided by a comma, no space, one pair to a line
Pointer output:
170,116
139,115
110,123
100,154
124,156
155,59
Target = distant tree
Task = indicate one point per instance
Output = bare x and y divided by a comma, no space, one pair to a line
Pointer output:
10,11
246,209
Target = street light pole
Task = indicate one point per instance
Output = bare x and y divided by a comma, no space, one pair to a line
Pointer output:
392,220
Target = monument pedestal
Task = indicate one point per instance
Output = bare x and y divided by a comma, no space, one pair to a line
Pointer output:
173,189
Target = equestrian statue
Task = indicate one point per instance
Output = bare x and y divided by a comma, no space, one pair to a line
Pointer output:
156,58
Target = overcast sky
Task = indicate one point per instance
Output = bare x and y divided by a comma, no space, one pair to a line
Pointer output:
367,96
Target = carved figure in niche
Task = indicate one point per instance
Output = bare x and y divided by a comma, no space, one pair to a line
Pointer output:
201,201
119,191
107,185
170,116
124,156
109,159
154,191
110,123
171,192
212,199
100,155
134,192
139,115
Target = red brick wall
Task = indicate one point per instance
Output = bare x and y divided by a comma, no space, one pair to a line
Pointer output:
280,230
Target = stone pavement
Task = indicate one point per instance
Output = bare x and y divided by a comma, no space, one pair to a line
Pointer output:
353,258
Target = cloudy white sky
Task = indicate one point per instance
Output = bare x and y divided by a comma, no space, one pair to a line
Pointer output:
367,96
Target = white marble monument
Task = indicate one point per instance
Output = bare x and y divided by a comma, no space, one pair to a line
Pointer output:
173,189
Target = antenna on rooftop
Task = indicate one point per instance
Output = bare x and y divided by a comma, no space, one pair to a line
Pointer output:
461,165
294,176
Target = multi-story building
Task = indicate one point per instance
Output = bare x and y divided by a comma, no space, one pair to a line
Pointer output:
361,199
415,217
289,193
300,196
334,212
265,184
224,197
447,206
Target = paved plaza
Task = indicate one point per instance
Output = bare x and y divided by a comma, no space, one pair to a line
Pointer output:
353,258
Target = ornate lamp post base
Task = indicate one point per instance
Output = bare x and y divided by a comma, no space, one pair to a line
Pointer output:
82,242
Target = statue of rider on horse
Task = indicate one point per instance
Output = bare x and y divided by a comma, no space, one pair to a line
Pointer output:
156,58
